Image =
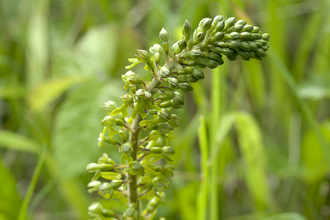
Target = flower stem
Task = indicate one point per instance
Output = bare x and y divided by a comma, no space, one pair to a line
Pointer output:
134,139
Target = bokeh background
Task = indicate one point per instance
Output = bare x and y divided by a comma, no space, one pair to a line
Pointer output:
254,140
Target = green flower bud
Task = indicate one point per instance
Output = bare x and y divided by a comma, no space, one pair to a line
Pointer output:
156,150
258,43
164,114
234,35
116,184
198,74
185,87
108,121
244,55
108,213
200,36
95,208
131,212
225,51
92,167
219,27
265,36
217,37
231,57
254,36
188,69
220,61
252,54
229,23
156,48
175,121
169,167
123,135
157,58
241,22
109,106
245,35
211,64
126,148
105,186
101,140
140,94
166,104
215,56
234,44
191,79
106,167
217,19
238,27
94,184
158,168
136,168
142,56
247,28
255,30
244,46
153,204
260,52
164,128
127,98
164,72
205,23
182,44
222,44
186,30
178,99
175,48
163,35
106,159
265,48
131,79
172,82
194,54
188,62
263,42
253,46
168,150
182,78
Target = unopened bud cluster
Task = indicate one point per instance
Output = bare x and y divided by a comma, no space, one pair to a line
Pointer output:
147,107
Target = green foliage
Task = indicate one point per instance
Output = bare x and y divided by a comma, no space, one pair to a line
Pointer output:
138,174
50,50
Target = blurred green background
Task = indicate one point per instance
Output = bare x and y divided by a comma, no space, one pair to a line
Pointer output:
254,140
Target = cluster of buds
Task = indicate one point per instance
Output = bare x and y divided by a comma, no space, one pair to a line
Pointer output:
143,172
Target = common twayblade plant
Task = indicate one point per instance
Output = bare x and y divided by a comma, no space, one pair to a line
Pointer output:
141,126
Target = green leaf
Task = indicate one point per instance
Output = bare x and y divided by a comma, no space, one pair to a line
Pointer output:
251,146
10,200
286,216
110,175
120,196
18,142
312,158
95,52
147,196
48,91
77,126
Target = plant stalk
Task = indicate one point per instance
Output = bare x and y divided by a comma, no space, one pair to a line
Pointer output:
134,139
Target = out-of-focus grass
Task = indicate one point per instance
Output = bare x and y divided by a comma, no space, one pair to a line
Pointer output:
262,147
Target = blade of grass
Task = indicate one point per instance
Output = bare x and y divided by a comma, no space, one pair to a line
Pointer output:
287,76
24,208
202,197
215,100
